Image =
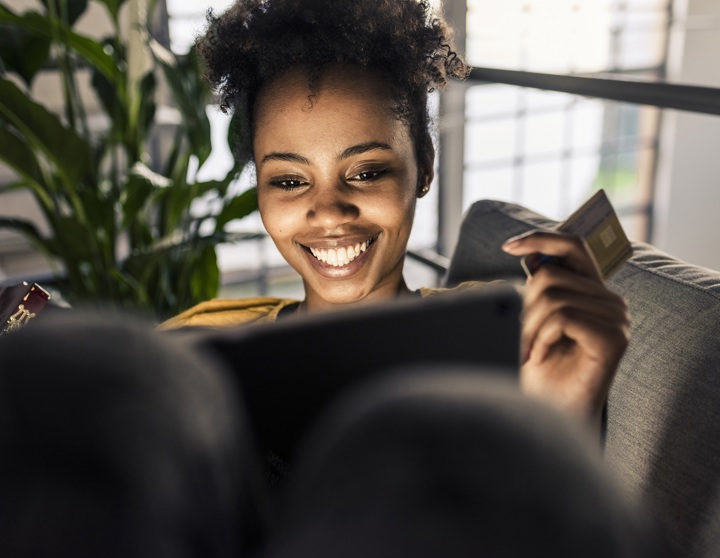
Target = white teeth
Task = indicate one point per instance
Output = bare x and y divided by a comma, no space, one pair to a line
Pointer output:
339,257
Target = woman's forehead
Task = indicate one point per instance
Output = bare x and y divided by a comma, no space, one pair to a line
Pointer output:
344,84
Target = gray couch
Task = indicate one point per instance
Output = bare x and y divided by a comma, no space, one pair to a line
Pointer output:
663,435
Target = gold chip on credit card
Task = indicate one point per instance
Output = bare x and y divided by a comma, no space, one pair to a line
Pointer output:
598,224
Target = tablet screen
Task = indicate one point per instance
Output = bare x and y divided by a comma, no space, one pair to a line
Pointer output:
289,370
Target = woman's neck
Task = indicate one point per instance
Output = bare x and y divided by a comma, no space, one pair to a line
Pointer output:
311,305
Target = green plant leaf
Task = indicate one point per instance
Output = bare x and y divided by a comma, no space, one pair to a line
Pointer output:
156,180
167,269
99,208
113,7
75,238
94,191
110,96
16,153
140,185
92,51
237,208
191,95
204,277
13,186
174,242
142,111
23,52
27,229
43,131
73,9
175,202
83,256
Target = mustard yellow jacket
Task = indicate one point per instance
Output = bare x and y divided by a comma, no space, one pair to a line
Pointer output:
221,312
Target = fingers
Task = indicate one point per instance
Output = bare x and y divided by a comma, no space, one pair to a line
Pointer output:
554,278
555,313
601,335
559,302
572,249
570,318
573,362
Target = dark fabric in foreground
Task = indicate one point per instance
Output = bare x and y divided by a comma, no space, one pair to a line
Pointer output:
455,463
119,442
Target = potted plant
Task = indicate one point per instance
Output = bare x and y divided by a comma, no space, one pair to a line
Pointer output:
123,229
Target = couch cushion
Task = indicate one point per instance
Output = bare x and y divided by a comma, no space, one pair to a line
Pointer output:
663,434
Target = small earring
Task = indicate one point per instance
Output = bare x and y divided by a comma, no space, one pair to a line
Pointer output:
424,190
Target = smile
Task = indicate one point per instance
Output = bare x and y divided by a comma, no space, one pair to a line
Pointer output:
339,257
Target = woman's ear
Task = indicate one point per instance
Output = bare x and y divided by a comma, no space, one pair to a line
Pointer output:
426,168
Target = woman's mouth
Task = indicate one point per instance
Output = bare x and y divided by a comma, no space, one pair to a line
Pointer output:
343,255
339,257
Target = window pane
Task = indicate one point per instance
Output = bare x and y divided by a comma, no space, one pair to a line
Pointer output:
491,100
552,160
494,184
187,20
564,36
491,140
549,151
545,133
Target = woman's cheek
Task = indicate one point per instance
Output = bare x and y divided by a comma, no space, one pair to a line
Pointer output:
281,221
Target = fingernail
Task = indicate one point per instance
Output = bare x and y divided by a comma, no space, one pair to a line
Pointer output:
510,243
513,240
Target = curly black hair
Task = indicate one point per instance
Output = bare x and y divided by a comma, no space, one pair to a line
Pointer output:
255,40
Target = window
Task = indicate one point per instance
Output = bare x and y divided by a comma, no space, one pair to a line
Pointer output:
548,151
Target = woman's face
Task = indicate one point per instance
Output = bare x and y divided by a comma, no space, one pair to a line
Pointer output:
337,184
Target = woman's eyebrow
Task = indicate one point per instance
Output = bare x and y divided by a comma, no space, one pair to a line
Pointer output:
349,152
287,157
364,147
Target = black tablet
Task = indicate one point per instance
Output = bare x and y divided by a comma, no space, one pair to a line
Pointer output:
289,370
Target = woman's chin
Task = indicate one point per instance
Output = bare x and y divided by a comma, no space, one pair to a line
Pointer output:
338,299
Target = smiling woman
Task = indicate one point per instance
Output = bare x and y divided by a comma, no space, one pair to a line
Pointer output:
333,101
338,205
340,136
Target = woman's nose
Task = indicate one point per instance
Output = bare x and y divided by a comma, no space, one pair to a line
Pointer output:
330,208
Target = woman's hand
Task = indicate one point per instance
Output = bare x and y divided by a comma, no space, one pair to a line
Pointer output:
574,331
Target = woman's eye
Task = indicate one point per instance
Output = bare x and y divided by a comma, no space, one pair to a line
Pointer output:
288,183
368,176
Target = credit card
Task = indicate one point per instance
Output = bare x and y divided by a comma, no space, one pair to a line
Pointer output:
598,224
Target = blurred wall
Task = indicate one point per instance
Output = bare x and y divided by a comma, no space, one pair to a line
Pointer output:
687,213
